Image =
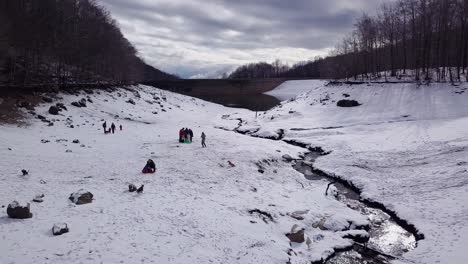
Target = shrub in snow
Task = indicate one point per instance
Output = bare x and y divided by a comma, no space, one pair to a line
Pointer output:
130,101
54,110
19,211
47,99
81,197
347,103
59,229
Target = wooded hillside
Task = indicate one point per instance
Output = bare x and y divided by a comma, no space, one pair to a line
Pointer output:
66,42
427,37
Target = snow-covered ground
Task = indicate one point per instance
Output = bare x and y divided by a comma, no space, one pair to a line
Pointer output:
195,209
406,146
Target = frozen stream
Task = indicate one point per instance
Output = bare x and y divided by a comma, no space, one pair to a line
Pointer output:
388,240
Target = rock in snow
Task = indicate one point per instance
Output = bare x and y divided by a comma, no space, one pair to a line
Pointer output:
347,103
59,229
287,157
19,211
132,188
54,110
81,197
296,236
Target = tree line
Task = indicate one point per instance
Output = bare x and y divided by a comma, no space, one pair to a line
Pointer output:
422,39
66,42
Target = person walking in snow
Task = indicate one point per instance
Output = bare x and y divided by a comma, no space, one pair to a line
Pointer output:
113,128
203,138
104,125
120,127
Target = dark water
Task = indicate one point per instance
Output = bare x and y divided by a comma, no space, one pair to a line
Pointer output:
260,102
387,241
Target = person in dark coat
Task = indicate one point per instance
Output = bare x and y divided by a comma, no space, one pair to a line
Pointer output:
120,127
203,138
104,125
113,128
150,167
190,134
187,135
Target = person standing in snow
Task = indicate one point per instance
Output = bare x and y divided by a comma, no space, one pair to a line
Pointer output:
187,135
120,127
190,135
104,125
113,128
181,135
203,137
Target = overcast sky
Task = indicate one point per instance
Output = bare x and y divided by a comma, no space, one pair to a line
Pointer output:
204,37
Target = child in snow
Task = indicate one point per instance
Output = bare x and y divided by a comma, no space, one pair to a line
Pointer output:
150,167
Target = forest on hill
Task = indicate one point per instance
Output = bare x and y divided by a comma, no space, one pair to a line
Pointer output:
425,38
66,43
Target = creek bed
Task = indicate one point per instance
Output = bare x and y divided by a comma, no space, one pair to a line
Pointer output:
388,240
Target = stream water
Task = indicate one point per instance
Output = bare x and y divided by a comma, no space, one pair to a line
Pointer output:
388,240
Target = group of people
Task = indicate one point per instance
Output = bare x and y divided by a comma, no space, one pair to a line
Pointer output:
111,128
185,135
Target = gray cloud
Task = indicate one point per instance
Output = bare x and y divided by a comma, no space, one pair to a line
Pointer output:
202,36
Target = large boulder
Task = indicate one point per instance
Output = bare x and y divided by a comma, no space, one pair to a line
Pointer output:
347,103
76,104
19,211
296,237
82,102
54,110
287,157
59,229
81,197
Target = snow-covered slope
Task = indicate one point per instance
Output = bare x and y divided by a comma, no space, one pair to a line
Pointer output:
406,146
195,209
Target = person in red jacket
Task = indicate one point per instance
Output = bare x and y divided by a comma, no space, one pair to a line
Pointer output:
182,135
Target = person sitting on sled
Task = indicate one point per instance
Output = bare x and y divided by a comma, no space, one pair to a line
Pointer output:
150,167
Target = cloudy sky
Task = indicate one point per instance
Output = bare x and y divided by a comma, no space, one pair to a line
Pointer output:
208,37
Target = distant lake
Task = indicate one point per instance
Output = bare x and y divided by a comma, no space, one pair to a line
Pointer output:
263,102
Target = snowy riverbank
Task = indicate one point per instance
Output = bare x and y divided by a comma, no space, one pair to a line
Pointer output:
406,146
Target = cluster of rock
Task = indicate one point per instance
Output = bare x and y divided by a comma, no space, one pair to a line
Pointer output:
80,103
17,210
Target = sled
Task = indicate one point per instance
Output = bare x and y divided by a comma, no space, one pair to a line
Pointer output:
148,172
